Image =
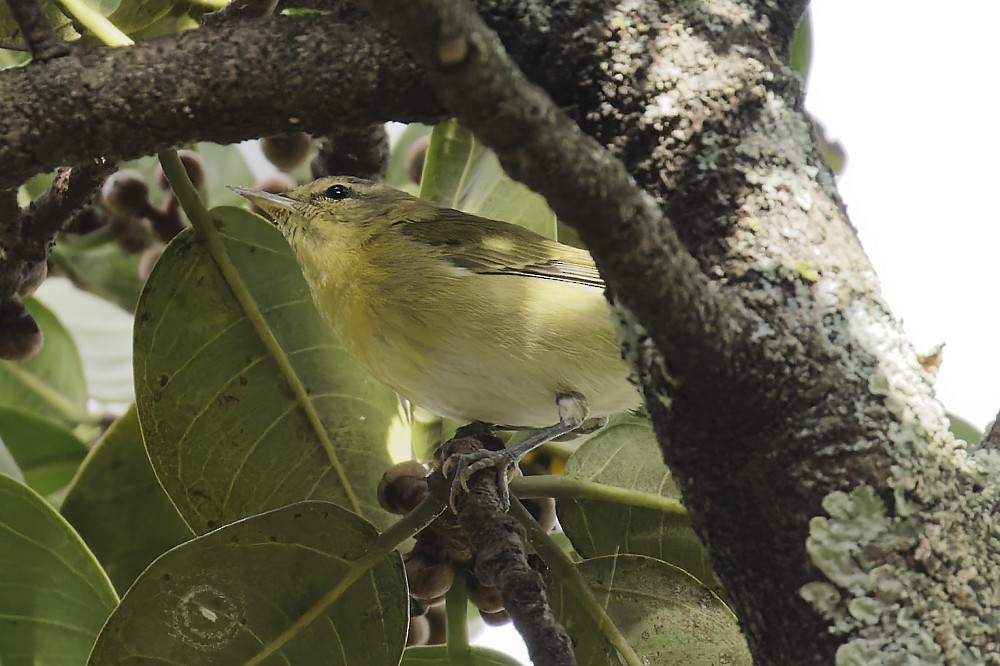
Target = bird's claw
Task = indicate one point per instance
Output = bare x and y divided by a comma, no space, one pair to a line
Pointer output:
468,464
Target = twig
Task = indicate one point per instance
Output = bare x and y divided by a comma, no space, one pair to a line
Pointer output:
27,235
499,556
36,30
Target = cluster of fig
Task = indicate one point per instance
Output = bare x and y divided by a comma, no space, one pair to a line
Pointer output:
123,206
431,565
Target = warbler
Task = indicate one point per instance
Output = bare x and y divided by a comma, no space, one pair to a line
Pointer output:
470,318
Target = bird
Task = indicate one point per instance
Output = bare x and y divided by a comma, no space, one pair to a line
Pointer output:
471,318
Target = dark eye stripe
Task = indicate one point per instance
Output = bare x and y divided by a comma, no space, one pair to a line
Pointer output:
337,192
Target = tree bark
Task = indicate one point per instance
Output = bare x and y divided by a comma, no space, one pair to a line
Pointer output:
842,517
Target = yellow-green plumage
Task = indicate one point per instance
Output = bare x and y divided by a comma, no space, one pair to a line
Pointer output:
470,318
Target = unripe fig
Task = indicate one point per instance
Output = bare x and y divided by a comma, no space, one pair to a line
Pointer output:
427,580
415,156
125,193
486,599
20,337
195,166
420,631
402,487
497,619
287,150
439,625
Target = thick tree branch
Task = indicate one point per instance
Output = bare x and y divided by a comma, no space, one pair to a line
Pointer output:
225,84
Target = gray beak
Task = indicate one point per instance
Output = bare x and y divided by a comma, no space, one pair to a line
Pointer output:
272,204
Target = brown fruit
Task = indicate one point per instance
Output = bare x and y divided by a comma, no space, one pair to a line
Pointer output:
402,487
20,337
439,625
288,150
486,599
125,193
420,631
427,580
543,509
497,619
195,166
415,156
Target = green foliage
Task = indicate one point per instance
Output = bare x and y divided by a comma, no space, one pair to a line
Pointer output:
625,455
54,597
216,599
50,384
665,614
249,405
119,508
46,452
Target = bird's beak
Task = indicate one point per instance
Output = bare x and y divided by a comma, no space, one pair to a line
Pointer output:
273,205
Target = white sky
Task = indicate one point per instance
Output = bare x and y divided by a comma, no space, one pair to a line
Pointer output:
913,97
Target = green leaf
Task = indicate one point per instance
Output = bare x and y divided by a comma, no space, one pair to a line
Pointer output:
625,455
118,506
54,597
801,47
460,172
103,269
962,429
104,333
46,452
437,655
8,466
226,597
666,615
134,15
50,384
249,407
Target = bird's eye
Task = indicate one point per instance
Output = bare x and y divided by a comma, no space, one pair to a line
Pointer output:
337,192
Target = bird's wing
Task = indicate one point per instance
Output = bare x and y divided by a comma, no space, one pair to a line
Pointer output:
489,246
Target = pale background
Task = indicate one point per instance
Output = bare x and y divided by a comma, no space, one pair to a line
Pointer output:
913,97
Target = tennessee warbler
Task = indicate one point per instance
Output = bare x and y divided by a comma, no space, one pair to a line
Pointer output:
470,318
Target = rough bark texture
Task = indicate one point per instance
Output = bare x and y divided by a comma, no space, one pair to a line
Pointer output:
841,515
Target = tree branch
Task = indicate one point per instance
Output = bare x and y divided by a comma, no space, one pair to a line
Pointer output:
225,84
36,30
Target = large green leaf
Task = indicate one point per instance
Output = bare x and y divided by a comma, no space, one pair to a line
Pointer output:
46,452
101,268
294,583
625,455
119,508
437,655
50,384
460,172
54,597
666,615
249,405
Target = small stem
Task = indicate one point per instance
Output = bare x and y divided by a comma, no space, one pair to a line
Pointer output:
96,23
384,543
560,487
574,581
457,610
